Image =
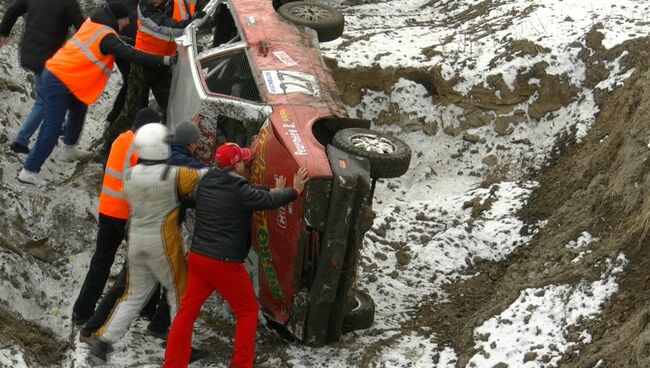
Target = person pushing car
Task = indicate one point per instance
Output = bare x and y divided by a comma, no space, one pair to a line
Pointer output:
159,23
221,241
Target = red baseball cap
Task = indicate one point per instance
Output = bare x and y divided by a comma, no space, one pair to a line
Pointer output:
230,153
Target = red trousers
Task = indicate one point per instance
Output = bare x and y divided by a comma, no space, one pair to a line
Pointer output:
229,279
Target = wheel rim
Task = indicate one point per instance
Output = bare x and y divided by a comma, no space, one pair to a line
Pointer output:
373,143
311,13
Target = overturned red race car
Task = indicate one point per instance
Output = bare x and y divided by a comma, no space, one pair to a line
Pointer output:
253,72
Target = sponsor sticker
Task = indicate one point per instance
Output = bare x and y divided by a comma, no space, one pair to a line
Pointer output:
299,147
282,82
285,58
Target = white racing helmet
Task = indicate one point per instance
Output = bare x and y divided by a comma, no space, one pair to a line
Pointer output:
151,142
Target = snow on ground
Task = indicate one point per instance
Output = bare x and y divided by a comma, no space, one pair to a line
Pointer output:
424,236
531,332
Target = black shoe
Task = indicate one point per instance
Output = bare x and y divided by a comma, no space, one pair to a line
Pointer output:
99,349
197,354
19,148
78,319
157,332
101,155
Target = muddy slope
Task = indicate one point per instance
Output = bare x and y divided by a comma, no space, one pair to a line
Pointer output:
599,186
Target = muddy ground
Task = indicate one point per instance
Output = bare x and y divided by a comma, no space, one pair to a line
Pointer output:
597,185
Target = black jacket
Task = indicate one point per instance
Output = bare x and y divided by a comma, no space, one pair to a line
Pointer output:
224,205
46,27
112,44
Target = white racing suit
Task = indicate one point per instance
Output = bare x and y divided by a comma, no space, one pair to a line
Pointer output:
155,252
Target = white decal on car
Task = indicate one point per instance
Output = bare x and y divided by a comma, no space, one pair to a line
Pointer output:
285,58
251,19
281,82
292,131
282,217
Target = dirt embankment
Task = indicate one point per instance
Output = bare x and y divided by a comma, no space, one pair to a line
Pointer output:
598,186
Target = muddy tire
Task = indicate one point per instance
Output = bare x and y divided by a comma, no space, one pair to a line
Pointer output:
362,314
327,21
389,157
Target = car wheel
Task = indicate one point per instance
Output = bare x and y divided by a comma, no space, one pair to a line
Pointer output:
389,157
362,314
325,20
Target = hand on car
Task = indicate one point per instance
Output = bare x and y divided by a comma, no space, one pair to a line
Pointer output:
280,182
299,180
170,60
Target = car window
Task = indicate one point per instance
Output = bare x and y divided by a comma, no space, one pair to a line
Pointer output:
229,74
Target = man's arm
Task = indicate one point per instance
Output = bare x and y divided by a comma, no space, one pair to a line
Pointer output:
15,10
160,23
258,199
187,180
253,199
112,44
74,16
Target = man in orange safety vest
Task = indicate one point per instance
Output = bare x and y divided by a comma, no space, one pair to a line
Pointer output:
75,77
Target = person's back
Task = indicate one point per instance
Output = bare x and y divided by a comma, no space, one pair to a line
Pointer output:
151,190
46,27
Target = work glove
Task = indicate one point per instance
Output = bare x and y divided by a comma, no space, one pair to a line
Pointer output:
198,15
170,60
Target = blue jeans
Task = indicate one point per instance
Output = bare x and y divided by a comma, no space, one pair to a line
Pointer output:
57,100
35,117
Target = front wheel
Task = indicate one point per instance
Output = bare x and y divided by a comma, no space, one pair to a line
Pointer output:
327,21
389,157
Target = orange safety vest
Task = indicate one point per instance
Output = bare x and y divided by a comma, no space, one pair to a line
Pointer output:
122,156
153,42
80,65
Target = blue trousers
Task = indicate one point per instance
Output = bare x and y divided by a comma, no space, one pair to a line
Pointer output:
35,117
57,100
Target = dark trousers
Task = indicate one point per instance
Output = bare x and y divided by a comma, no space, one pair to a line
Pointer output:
110,234
120,100
157,309
141,80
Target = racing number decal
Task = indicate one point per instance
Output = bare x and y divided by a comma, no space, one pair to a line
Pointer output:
285,81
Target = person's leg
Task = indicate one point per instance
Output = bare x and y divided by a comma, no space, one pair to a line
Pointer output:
35,117
149,310
141,283
160,321
160,80
137,89
197,290
120,100
237,289
109,237
56,97
75,122
106,304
